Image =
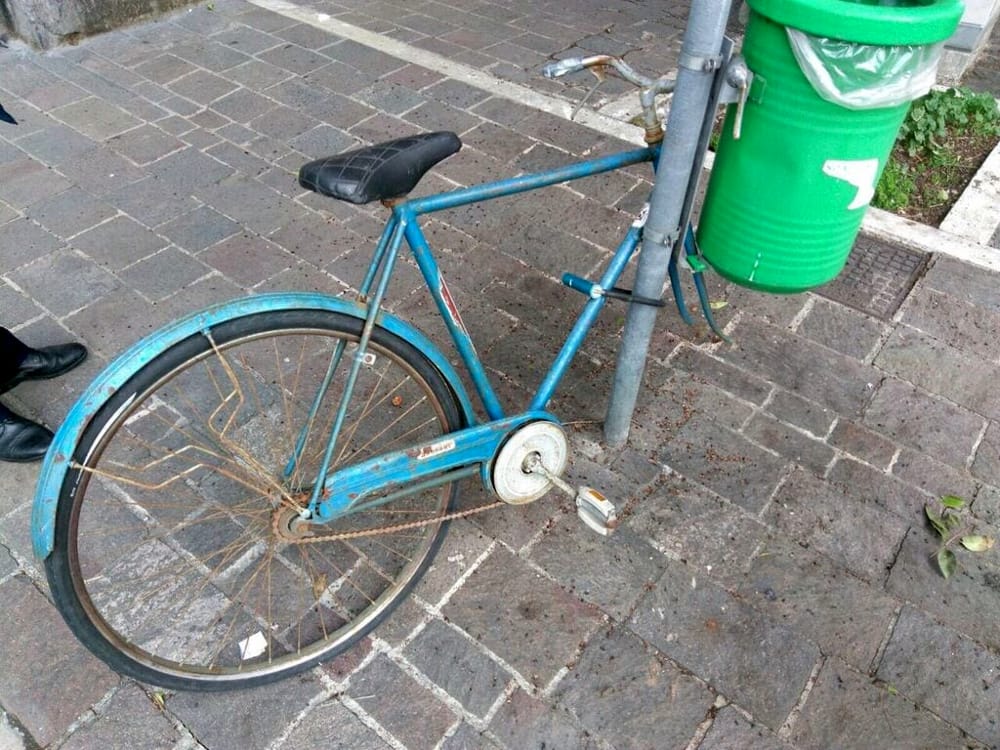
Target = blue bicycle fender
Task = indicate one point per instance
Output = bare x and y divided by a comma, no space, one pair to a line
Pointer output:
115,375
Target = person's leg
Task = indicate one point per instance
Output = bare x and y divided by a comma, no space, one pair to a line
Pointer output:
21,439
19,362
12,351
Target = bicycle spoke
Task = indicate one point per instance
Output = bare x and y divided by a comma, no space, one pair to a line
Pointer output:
187,550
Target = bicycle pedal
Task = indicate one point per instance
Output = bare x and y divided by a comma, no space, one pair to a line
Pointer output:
596,511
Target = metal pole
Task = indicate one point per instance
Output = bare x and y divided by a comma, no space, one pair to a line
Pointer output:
701,50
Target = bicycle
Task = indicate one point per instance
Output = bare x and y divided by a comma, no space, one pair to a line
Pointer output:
252,489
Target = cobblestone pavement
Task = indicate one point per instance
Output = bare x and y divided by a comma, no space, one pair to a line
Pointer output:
771,585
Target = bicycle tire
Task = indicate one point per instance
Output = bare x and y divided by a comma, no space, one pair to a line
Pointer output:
168,563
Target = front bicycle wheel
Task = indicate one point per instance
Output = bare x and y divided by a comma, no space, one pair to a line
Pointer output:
178,555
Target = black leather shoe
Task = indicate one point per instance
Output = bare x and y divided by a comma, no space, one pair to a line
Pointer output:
21,440
47,362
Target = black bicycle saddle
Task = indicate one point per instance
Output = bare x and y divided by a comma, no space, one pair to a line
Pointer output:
386,170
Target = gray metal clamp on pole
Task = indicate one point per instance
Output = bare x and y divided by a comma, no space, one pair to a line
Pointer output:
703,43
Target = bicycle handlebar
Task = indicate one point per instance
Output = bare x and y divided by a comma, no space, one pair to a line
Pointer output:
576,64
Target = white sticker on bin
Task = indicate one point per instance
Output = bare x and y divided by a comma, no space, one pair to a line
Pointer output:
860,173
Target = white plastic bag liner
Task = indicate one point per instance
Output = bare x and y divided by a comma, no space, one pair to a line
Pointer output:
865,76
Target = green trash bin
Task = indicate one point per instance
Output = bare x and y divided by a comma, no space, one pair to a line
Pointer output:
833,80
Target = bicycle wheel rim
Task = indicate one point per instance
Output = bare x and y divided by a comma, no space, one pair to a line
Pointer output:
145,663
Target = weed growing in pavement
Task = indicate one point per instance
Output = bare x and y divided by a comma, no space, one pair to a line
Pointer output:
948,517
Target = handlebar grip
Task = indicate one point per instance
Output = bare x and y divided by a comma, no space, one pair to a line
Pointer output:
562,67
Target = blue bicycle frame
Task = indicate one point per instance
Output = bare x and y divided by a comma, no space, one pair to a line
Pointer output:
468,451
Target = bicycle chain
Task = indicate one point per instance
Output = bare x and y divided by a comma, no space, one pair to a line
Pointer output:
389,529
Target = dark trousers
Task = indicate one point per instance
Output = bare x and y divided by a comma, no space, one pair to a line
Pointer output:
12,352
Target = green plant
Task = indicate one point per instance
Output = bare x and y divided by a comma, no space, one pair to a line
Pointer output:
895,188
932,117
942,141
948,520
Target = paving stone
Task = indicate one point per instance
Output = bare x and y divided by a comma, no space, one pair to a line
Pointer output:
209,54
813,596
70,212
15,528
186,171
933,477
611,572
730,730
292,57
986,506
503,111
17,307
467,738
797,364
114,322
164,68
964,281
55,144
164,273
61,679
690,524
145,144
869,485
119,242
462,546
707,368
436,116
455,664
239,719
101,172
95,118
777,309
152,201
855,533
841,328
963,325
793,444
971,674
937,367
759,663
801,412
238,158
249,202
724,462
846,709
986,465
242,105
246,258
524,722
199,229
621,689
24,241
64,281
967,601
323,140
332,725
409,711
257,75
130,719
25,181
857,440
363,58
504,605
913,418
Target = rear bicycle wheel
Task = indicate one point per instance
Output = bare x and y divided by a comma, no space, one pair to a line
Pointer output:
177,559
